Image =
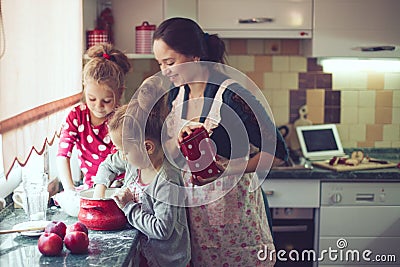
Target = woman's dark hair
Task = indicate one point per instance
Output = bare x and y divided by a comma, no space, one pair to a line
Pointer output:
187,38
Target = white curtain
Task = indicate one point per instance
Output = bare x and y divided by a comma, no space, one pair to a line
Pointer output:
41,48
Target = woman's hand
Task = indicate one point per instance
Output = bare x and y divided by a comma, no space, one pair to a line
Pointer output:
200,181
187,130
123,196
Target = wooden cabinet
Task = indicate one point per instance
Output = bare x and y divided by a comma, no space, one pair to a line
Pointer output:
228,18
256,18
347,27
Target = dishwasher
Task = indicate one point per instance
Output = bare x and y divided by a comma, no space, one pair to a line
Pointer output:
359,224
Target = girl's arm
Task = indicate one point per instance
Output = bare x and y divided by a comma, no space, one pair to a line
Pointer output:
66,143
64,172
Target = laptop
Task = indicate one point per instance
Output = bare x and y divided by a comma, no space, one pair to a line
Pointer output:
320,142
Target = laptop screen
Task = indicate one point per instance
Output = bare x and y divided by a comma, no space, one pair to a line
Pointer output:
319,142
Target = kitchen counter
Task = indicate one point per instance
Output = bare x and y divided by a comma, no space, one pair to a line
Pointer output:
386,174
106,248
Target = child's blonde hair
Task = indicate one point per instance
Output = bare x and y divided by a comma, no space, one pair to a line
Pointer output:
149,109
116,119
107,66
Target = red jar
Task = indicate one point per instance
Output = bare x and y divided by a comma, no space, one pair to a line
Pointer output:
101,214
200,153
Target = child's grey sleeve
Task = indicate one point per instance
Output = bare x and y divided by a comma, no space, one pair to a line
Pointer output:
110,168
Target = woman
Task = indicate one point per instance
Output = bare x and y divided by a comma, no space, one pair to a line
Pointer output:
227,217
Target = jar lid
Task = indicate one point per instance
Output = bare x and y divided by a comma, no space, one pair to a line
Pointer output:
146,26
96,31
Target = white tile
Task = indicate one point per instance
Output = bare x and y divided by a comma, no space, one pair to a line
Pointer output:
349,98
343,130
272,80
383,144
268,95
341,80
349,115
280,63
358,132
396,144
297,64
391,132
396,98
349,144
358,80
392,81
281,115
233,61
366,115
366,99
245,63
396,115
289,80
280,98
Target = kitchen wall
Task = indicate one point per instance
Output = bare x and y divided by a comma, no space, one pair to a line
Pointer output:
364,105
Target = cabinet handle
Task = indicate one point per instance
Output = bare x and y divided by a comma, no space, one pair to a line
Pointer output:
375,48
289,229
256,20
269,192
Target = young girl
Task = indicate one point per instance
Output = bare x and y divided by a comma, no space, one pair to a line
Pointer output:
150,197
232,228
86,124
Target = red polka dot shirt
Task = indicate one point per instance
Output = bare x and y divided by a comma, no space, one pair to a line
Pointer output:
92,142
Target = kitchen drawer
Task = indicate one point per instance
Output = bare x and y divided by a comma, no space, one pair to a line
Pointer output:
292,193
277,18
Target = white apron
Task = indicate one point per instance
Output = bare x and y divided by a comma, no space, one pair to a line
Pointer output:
232,230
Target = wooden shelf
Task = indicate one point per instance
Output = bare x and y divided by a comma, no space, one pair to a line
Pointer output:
132,56
140,56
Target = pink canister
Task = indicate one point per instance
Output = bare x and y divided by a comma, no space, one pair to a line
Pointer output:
144,36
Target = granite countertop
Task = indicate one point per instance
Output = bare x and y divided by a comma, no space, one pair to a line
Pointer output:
386,174
106,248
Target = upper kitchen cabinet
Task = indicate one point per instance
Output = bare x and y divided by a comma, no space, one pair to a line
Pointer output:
355,28
256,18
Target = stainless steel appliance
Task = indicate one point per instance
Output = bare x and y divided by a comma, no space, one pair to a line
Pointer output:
359,224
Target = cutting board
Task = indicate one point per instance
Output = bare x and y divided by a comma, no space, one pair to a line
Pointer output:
361,166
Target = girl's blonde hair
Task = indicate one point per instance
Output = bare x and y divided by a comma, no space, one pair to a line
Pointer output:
107,66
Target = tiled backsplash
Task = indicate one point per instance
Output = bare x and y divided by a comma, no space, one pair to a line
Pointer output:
364,105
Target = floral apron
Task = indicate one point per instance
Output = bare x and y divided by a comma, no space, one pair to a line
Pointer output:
231,230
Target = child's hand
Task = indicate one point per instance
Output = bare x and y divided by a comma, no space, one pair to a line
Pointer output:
123,196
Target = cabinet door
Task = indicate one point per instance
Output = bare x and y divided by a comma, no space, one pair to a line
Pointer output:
346,27
256,18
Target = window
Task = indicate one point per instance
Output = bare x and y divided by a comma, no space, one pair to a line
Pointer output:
40,73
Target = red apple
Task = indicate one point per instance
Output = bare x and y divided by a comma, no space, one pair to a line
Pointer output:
50,244
56,227
77,242
77,226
